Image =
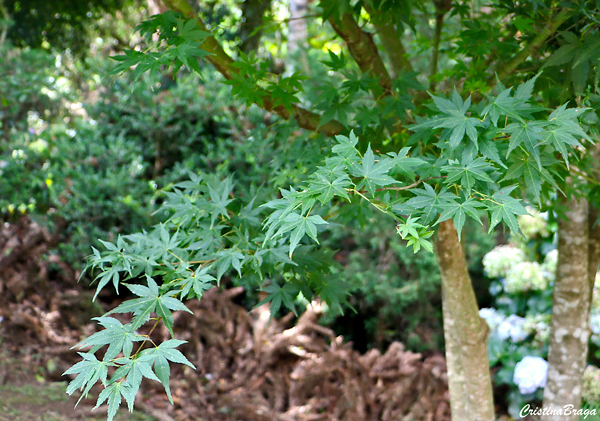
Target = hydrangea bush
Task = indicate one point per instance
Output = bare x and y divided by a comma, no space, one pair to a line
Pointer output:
524,273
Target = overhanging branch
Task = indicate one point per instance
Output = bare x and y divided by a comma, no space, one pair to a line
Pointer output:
225,65
391,43
363,49
551,26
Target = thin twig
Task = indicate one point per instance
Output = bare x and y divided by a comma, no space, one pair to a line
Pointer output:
413,185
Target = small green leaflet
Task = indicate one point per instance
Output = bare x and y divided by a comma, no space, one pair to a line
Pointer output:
336,62
119,337
300,225
135,369
459,211
502,105
565,131
328,185
526,167
429,201
196,283
416,234
89,372
503,207
457,119
160,357
226,259
334,291
112,393
525,90
151,301
490,151
405,163
346,146
374,174
278,295
529,134
468,173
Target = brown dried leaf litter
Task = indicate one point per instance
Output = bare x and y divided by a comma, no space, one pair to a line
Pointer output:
247,368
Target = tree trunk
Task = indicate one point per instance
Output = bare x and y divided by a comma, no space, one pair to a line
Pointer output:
465,333
570,314
253,12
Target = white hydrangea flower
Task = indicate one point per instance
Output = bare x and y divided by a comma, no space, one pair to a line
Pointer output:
539,326
533,225
492,317
549,265
595,323
525,276
591,384
498,261
596,293
512,327
530,373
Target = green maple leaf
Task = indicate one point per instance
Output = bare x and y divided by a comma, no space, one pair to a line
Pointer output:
421,241
429,201
504,208
565,130
374,174
334,292
566,52
278,295
118,337
457,120
112,394
459,211
467,173
525,90
196,283
529,134
151,301
160,357
89,371
502,105
336,62
135,370
328,185
405,163
410,227
489,150
415,234
226,259
534,175
300,225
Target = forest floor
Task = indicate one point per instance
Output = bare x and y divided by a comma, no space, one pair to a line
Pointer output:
26,395
247,367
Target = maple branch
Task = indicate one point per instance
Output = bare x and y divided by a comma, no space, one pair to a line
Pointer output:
363,49
391,43
549,29
441,8
411,186
225,65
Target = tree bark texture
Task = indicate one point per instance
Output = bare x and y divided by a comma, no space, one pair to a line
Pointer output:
570,314
250,31
465,333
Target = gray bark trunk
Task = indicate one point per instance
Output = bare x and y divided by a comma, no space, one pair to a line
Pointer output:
570,315
465,333
297,32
